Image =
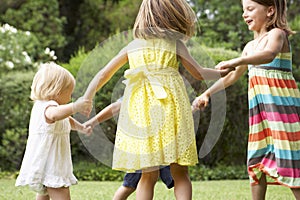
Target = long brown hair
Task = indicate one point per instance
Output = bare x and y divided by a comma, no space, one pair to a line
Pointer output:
279,18
165,18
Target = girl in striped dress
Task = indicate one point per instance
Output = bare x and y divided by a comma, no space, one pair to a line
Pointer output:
274,99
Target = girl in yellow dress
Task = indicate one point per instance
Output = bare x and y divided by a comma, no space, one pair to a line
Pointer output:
155,125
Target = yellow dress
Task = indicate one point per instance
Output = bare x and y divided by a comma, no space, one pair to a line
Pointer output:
155,125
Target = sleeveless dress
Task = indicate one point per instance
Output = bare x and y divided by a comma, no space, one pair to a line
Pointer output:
47,160
274,113
155,125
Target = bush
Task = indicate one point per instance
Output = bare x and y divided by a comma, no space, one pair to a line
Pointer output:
219,172
20,50
41,18
95,171
14,116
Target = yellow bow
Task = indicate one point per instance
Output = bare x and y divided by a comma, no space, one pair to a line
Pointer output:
133,76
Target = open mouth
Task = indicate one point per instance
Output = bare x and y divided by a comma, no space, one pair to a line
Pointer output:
249,21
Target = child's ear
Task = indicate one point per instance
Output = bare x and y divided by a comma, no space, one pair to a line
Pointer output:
271,11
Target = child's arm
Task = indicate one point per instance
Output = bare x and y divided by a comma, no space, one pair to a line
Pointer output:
275,42
203,100
55,113
105,114
77,126
105,74
197,71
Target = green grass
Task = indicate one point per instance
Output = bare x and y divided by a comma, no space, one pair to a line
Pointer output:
206,190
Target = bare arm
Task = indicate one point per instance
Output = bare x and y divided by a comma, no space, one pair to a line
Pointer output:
56,113
203,100
274,45
77,126
105,114
104,75
193,67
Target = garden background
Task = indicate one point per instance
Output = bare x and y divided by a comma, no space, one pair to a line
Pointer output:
70,32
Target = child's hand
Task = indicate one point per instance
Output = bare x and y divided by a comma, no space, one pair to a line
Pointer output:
228,64
201,102
88,130
92,123
225,71
83,106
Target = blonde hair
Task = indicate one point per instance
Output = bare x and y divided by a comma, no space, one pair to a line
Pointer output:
49,81
279,19
173,19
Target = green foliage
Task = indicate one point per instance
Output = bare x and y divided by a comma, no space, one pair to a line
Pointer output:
91,171
41,18
20,51
219,172
15,103
100,20
221,24
14,116
75,61
12,148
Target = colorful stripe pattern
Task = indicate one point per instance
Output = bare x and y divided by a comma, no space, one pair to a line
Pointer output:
274,113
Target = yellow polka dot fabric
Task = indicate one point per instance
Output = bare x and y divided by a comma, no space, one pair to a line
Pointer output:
155,125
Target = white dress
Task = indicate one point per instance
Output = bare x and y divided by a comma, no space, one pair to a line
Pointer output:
47,160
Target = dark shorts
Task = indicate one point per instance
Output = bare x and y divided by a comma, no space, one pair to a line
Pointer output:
132,179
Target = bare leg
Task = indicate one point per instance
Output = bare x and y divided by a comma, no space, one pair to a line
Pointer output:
62,193
296,192
145,188
182,182
42,197
123,193
259,191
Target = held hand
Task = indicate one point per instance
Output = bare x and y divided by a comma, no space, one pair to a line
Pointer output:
228,64
88,130
226,71
90,123
201,102
83,106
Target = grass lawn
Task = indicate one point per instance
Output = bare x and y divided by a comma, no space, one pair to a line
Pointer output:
206,190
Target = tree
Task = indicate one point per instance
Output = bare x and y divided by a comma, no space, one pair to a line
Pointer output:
222,25
41,18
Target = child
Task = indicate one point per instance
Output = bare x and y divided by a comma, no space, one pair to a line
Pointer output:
274,99
47,165
155,125
131,180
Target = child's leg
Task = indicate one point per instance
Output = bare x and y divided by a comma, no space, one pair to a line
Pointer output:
42,197
130,183
123,193
182,182
166,177
259,191
296,192
145,188
62,193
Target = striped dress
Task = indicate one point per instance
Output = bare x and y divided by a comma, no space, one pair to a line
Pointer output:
274,125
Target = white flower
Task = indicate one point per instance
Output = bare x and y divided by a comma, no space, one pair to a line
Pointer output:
54,58
52,53
47,51
9,64
9,28
27,33
27,57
